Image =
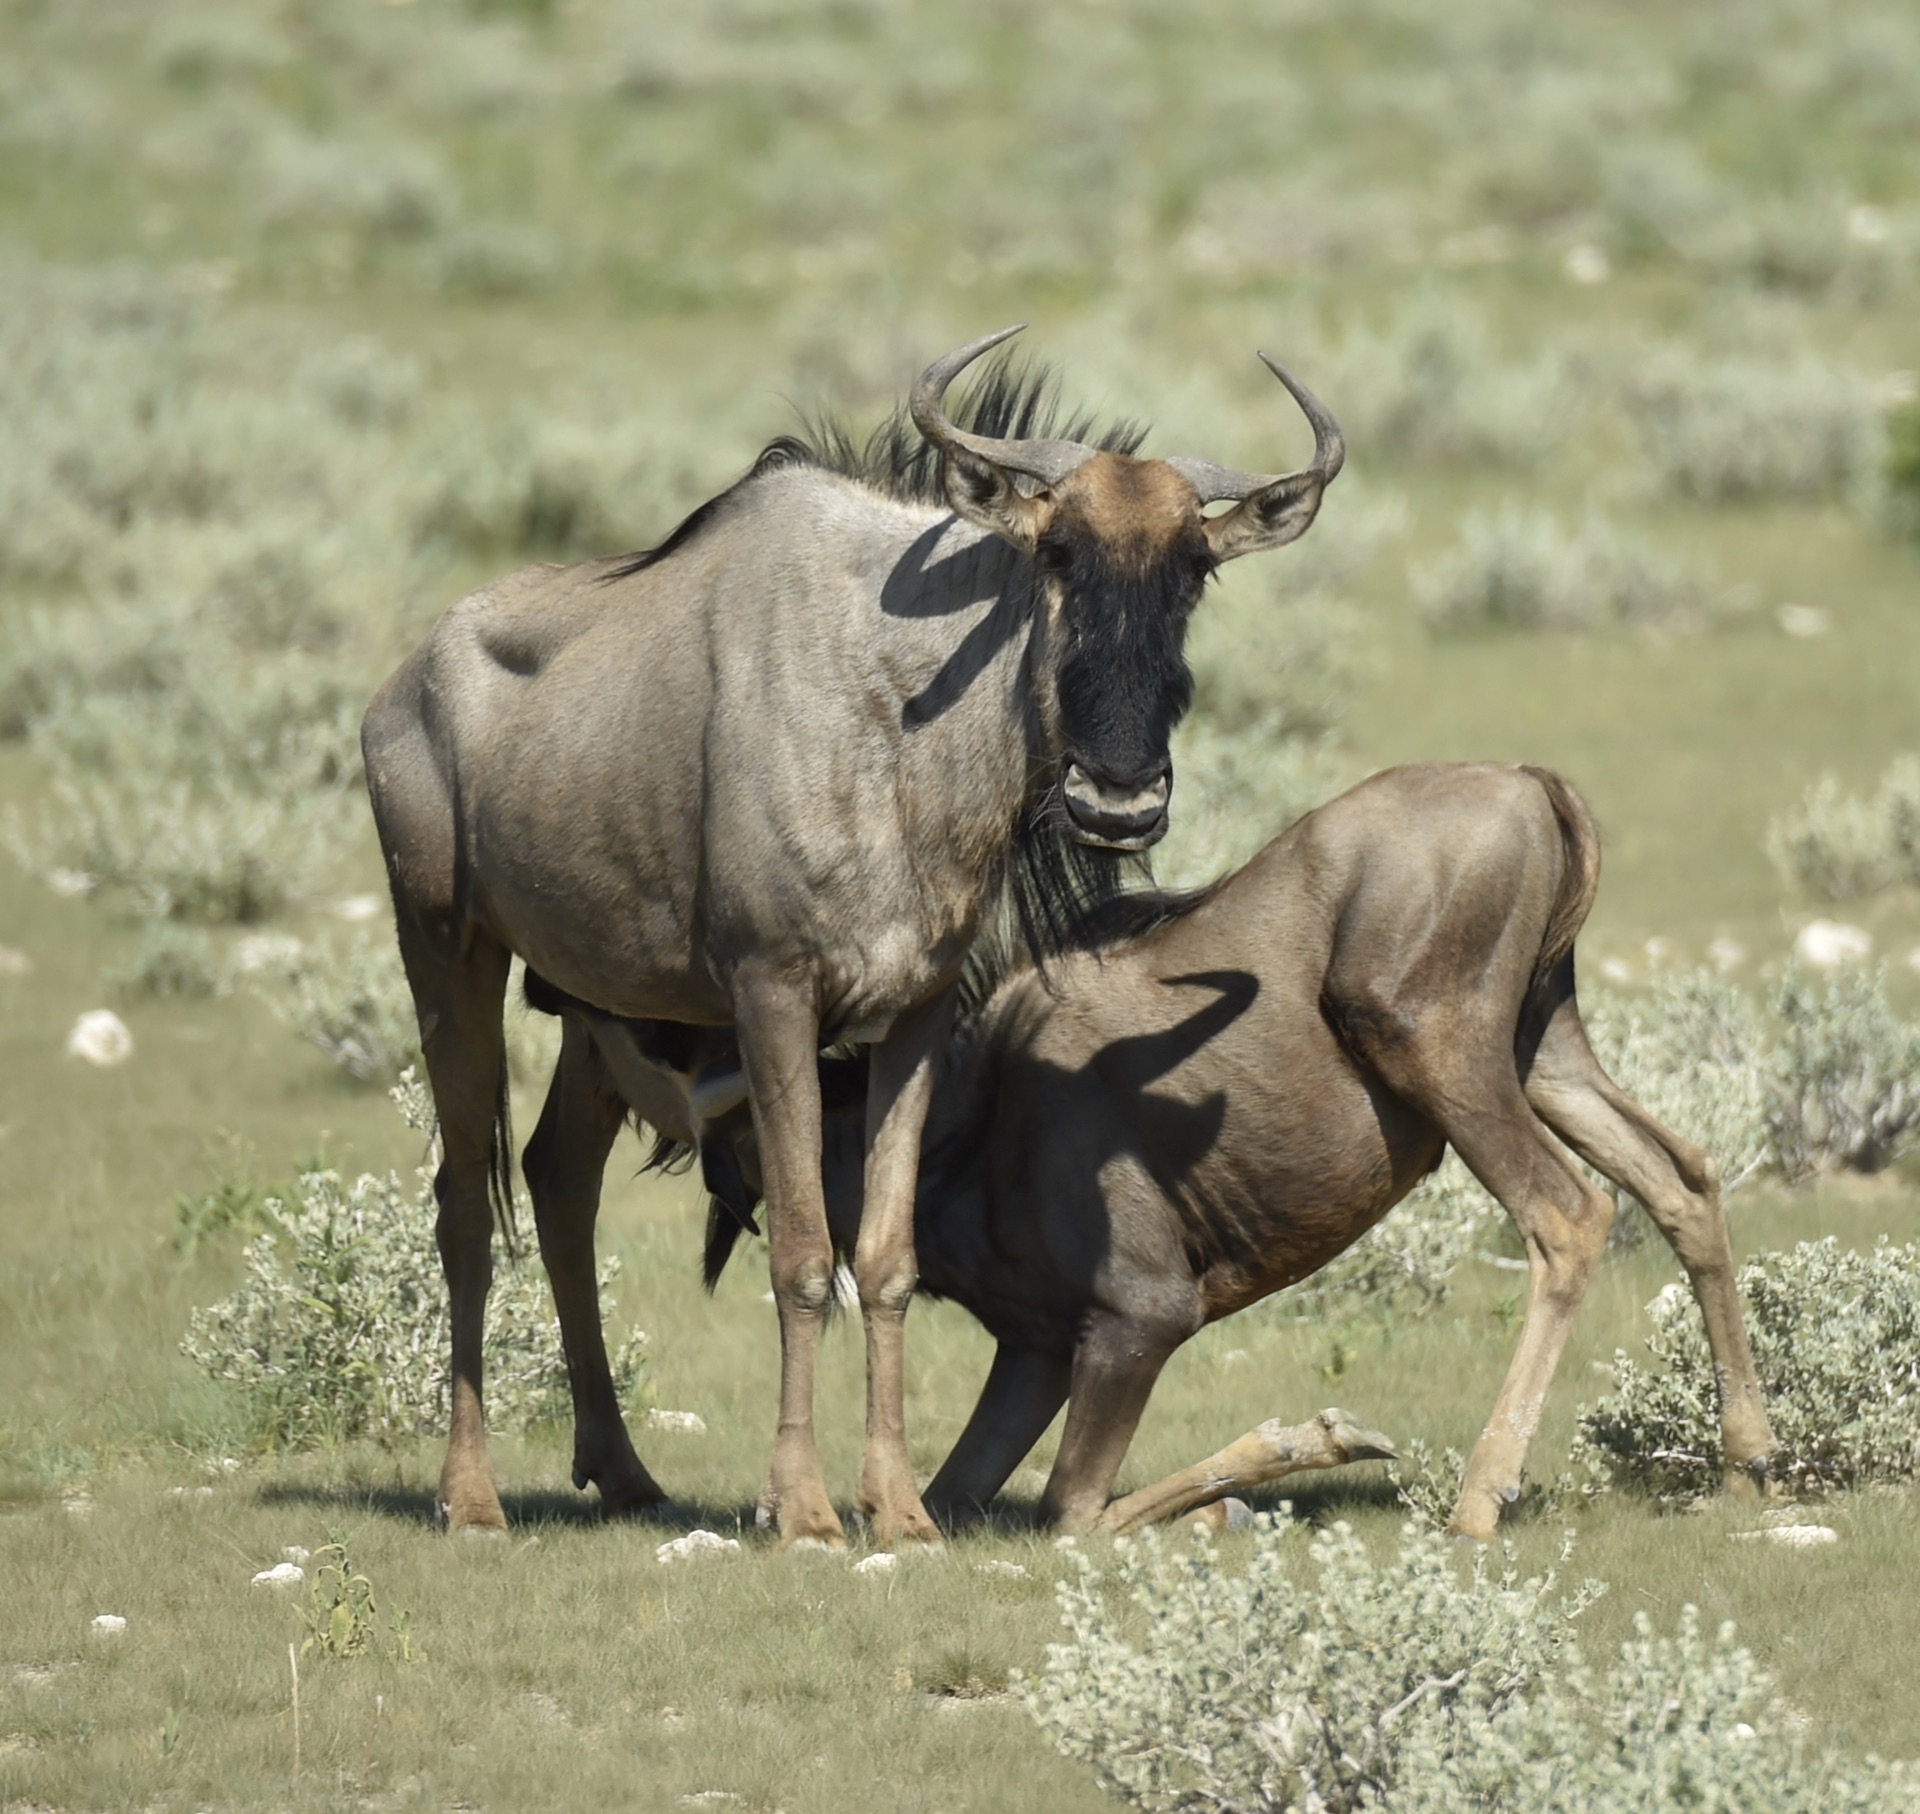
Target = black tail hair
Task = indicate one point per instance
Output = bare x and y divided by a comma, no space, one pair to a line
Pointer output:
725,1226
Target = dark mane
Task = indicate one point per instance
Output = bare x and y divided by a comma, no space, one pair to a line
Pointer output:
1059,898
1013,399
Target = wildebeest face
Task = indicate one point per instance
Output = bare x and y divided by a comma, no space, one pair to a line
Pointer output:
1122,564
1123,549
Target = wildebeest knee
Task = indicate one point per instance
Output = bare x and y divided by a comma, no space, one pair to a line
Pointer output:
887,1288
806,1286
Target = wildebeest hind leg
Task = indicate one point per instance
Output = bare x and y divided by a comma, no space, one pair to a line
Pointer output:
459,996
779,1039
1463,1079
564,1164
1024,1388
1678,1184
1267,1453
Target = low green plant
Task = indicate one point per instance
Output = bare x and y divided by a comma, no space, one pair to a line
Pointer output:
1836,1343
170,960
343,1616
1843,845
1333,1682
339,1328
203,1216
1903,464
1518,570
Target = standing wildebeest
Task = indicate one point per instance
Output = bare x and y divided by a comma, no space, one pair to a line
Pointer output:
772,775
1223,1091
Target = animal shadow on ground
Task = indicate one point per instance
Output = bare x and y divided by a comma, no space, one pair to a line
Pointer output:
527,1509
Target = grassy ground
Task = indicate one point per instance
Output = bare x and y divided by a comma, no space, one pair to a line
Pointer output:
580,256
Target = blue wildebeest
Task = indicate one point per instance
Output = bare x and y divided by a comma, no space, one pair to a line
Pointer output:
774,774
1216,1094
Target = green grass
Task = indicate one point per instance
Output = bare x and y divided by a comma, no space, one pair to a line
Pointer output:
596,247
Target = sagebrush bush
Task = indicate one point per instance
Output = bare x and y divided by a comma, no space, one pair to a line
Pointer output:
1323,1679
1843,845
1520,570
1847,1075
353,1004
1836,1344
170,960
1697,1053
339,1329
1436,384
1754,427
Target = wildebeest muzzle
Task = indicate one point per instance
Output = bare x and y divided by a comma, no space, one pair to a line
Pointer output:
1116,817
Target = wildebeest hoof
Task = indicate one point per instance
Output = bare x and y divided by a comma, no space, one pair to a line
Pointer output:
1359,1443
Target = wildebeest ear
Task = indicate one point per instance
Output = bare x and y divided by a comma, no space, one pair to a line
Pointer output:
1268,518
987,497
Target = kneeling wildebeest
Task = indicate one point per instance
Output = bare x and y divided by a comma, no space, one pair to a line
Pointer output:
1221,1092
773,775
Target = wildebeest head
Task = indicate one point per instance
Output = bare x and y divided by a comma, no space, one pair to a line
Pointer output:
1123,547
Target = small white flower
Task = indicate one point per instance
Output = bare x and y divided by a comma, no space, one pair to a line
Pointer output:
108,1625
357,907
696,1543
1726,954
1827,944
1012,1571
281,1574
884,1562
71,884
1658,949
1616,970
1665,1301
265,951
681,1423
294,1552
1804,621
100,1036
1792,1536
1867,224
1587,264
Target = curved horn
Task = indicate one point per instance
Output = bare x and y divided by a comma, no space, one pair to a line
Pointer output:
1047,461
1218,484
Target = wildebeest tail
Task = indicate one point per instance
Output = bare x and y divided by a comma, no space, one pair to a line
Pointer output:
1579,875
724,1229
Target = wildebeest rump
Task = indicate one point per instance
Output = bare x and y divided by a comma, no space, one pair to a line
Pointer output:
773,774
1230,1089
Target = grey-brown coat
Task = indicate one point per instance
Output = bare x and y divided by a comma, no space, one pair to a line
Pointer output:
772,775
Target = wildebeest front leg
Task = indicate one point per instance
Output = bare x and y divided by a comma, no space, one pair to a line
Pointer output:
1267,1453
779,1034
1114,1369
1024,1388
565,1163
898,1093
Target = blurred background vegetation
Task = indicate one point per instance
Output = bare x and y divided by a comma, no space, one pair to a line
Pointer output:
314,313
